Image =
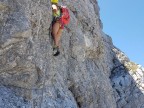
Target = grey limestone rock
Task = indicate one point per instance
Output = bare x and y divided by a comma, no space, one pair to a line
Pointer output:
87,73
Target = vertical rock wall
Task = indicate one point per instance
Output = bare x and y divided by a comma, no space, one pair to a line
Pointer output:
30,77
127,79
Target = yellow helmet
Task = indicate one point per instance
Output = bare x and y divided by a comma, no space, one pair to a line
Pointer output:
54,1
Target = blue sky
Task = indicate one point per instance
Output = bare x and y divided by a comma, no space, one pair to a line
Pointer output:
123,20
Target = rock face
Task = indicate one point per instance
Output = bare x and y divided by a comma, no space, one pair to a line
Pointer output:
89,73
127,79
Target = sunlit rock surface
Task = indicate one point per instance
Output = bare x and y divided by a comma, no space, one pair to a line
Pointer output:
89,73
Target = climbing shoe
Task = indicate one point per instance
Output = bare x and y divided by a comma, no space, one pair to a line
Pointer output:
56,51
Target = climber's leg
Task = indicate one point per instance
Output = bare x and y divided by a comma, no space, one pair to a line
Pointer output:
56,32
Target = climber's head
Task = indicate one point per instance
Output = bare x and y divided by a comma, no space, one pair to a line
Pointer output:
54,1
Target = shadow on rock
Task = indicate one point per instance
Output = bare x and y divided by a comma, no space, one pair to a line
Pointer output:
127,82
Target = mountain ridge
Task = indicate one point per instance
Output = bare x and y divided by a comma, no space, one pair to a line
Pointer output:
89,73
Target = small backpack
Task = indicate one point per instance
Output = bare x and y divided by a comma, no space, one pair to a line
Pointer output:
65,16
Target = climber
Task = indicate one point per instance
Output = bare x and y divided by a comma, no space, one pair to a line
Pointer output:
57,25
